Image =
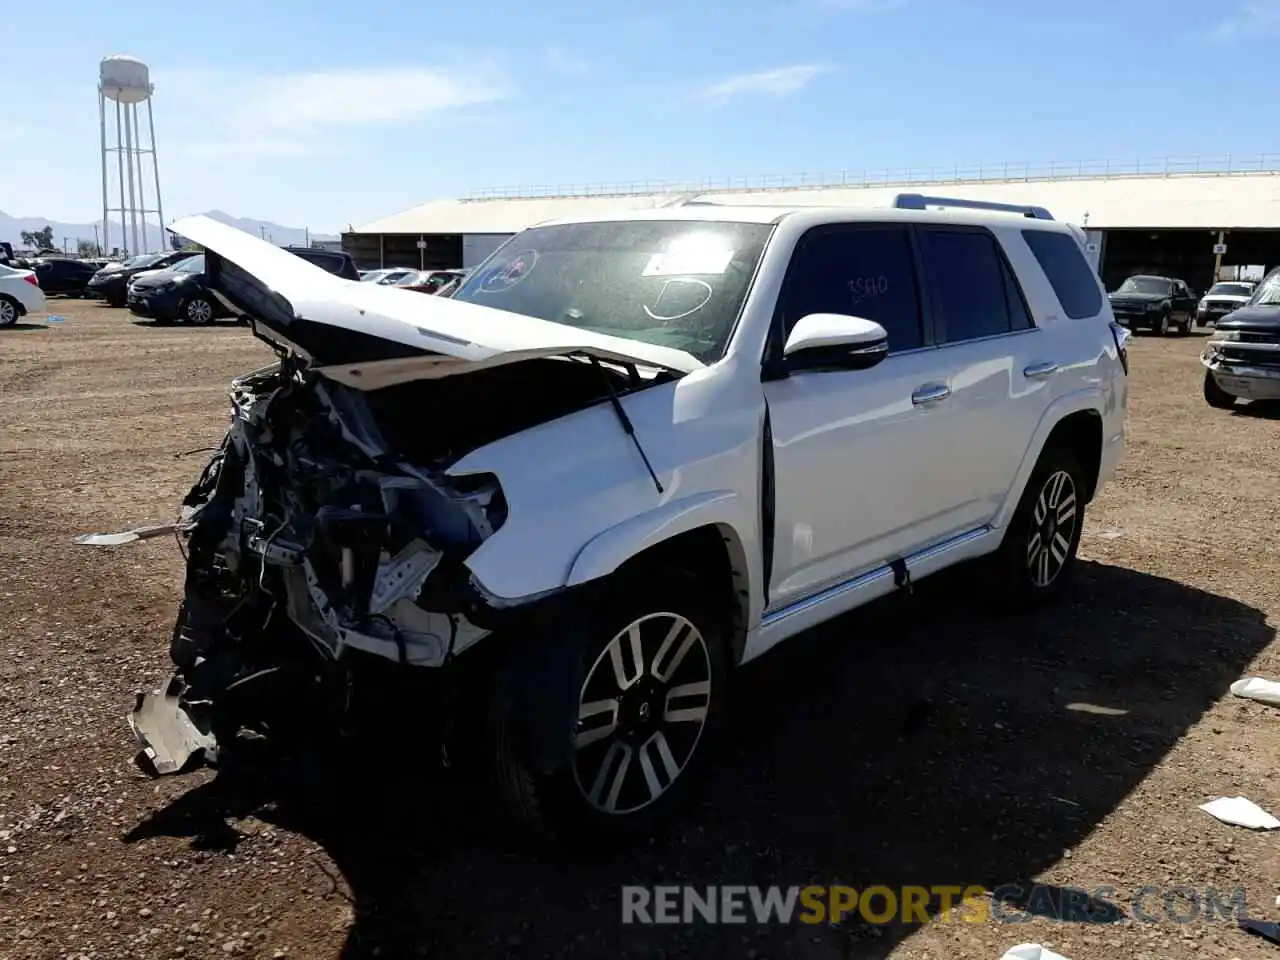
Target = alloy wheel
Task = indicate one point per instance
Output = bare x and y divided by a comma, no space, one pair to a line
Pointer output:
199,311
1053,528
641,713
8,313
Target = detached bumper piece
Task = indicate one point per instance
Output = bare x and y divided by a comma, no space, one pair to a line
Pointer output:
172,740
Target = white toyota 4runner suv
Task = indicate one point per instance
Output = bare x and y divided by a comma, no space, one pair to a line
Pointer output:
627,457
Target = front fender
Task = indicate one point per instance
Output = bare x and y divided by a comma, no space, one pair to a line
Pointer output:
607,551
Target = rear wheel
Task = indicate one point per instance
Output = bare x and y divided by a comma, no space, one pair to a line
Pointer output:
1039,549
650,697
1214,395
8,311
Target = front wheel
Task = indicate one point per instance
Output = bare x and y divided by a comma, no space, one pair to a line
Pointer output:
198,311
1214,395
1162,325
650,696
1039,549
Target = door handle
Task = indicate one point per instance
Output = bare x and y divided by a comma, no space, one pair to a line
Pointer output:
1038,371
930,394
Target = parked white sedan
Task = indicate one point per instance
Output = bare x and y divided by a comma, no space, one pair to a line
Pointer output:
20,294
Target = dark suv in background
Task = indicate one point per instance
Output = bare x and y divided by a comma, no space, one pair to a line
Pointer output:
334,261
66,276
1158,304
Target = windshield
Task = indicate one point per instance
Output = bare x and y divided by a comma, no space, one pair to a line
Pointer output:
1267,295
190,265
1145,285
145,260
1230,290
675,283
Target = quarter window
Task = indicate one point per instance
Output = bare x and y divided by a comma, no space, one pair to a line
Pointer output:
1063,262
859,272
973,291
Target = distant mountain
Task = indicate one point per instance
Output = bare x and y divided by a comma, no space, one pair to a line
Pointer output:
11,229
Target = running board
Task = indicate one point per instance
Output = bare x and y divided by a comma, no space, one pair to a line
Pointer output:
778,625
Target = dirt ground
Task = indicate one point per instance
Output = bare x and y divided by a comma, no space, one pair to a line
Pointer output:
924,742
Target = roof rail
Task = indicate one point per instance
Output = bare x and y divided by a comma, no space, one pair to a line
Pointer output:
918,201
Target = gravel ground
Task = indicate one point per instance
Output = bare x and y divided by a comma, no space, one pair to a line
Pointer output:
925,742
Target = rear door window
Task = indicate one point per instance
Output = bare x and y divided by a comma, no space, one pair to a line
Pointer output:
973,291
1069,274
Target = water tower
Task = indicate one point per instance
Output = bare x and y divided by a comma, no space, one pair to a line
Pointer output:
126,83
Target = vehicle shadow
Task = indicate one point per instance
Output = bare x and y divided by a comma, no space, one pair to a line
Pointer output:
220,324
1259,409
25,325
919,741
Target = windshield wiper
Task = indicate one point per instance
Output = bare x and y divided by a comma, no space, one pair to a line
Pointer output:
628,427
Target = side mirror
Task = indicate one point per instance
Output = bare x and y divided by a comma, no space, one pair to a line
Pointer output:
835,341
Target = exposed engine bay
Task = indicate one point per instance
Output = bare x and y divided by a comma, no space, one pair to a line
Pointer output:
325,531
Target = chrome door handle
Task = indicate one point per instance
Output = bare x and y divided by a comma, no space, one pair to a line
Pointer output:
930,393
1038,371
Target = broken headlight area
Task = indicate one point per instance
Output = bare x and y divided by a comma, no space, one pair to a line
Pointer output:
310,544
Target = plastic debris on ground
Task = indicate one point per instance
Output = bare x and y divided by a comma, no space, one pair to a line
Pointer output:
1262,928
51,318
1031,951
1240,812
1256,688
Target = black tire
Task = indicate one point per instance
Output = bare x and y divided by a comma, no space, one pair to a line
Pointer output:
10,311
1215,396
1031,566
115,300
197,310
567,804
1161,329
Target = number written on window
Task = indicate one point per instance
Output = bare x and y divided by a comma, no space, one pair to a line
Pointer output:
856,271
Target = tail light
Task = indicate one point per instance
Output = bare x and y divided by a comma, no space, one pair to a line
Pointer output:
1121,336
31,279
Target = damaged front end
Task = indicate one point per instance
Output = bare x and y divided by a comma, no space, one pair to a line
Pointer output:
311,547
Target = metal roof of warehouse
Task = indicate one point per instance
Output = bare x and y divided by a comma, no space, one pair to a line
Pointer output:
1215,201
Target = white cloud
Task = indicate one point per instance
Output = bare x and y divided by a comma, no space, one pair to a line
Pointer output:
773,84
292,114
1258,18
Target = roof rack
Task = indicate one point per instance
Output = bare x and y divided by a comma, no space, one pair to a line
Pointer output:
918,201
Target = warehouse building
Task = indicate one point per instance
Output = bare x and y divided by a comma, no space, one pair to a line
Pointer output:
1196,221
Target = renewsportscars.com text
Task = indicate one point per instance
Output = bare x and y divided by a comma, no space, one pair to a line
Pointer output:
940,903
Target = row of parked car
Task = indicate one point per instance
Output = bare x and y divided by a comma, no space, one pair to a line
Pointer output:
436,282
1166,304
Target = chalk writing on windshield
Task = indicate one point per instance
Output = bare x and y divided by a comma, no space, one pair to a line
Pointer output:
679,297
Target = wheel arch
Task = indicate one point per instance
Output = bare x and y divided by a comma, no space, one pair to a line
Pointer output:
702,535
1075,420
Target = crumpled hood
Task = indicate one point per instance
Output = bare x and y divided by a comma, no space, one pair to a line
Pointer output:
333,322
1264,319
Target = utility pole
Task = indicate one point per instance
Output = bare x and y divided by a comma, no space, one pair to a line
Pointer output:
97,247
1218,250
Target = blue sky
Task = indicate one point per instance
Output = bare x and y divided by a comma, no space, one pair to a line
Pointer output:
324,114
